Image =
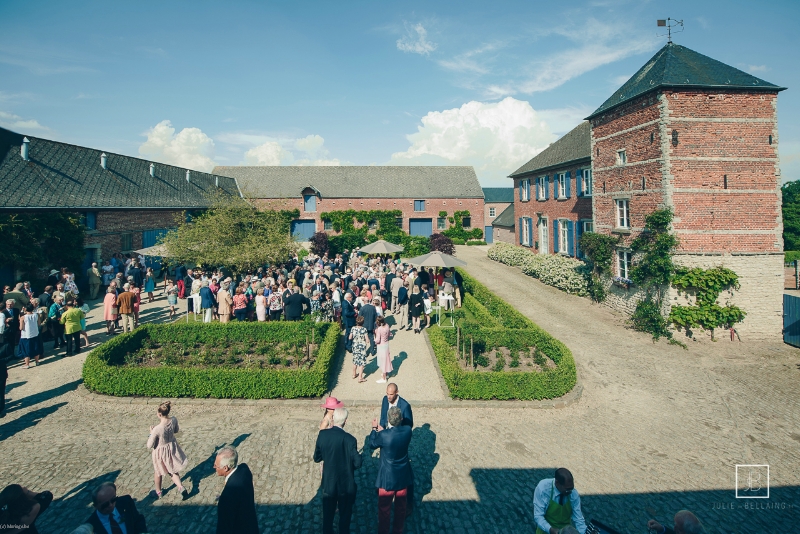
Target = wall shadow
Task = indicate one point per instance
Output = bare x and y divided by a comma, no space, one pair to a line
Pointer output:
30,419
25,402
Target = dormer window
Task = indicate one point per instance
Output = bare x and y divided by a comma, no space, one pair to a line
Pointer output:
309,199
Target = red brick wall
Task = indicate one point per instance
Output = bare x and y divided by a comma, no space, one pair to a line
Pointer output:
432,207
574,208
112,224
498,207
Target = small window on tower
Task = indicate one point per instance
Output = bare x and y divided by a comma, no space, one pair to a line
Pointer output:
622,157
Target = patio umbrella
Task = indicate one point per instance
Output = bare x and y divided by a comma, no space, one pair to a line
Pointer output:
381,247
436,259
155,250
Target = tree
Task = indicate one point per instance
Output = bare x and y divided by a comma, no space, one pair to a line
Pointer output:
40,240
443,244
234,234
319,243
791,215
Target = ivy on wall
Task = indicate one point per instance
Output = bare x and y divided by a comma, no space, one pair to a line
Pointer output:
707,284
457,230
344,221
599,252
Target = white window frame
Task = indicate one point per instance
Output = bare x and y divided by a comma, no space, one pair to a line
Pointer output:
622,157
562,185
587,182
623,264
544,235
563,237
526,238
542,188
492,212
587,226
526,189
622,213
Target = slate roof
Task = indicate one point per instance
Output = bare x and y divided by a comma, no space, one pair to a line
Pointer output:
59,175
356,182
498,194
678,66
576,145
506,218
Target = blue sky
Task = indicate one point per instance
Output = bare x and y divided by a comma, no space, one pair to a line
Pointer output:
487,84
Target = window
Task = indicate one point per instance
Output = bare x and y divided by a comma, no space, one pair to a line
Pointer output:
562,185
309,202
373,225
441,223
90,220
399,222
419,205
623,263
588,226
126,242
525,190
622,158
466,222
492,212
563,238
544,237
526,235
327,225
623,213
587,182
541,188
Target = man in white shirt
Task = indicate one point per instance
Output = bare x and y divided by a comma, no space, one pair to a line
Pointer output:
556,504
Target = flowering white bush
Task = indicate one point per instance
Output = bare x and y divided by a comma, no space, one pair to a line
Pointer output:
562,272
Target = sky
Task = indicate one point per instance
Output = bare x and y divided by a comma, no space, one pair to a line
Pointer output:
486,84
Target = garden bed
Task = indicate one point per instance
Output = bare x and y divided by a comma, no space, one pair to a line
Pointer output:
497,353
234,360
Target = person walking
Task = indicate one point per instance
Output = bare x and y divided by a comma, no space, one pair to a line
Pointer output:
95,280
402,304
71,319
168,457
30,344
338,452
382,334
369,312
394,473
359,346
109,310
172,297
125,307
10,316
149,284
348,319
416,307
236,509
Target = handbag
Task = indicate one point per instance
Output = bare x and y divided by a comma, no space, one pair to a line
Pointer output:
114,311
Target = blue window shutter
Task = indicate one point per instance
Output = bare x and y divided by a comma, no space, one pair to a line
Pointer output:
520,189
519,229
570,238
538,192
579,182
555,186
578,234
568,178
530,232
546,187
555,235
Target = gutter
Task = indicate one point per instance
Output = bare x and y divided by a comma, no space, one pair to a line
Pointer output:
587,159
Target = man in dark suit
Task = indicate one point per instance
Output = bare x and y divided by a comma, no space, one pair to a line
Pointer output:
394,473
391,399
112,514
370,313
319,286
293,305
236,509
387,293
338,451
348,319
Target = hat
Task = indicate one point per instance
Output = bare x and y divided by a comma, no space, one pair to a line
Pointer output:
54,271
331,403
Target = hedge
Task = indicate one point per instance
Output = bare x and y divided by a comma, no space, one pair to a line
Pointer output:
103,372
557,270
473,243
500,325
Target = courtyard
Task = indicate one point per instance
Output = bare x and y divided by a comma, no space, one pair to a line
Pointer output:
656,429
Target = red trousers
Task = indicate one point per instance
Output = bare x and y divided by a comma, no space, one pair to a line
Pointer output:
385,499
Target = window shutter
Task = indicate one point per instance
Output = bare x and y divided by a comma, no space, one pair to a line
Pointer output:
568,178
579,182
546,187
519,229
570,238
520,189
528,188
555,235
578,234
538,191
555,186
530,232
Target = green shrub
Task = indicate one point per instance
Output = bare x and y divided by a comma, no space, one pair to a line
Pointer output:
104,370
790,256
473,243
562,272
457,241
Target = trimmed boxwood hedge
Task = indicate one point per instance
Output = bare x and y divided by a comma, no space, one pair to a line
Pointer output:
103,372
504,327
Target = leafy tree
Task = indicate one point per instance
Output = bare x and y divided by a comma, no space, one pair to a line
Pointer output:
791,215
443,244
319,243
33,241
232,233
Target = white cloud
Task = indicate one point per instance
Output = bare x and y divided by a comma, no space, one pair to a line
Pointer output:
310,144
269,153
286,152
19,124
472,60
416,41
495,138
562,120
191,148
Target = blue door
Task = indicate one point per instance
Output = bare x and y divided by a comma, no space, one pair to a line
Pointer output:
488,236
303,230
310,202
422,227
150,237
791,320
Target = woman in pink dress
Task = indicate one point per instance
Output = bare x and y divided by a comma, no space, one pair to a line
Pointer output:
382,333
110,310
168,457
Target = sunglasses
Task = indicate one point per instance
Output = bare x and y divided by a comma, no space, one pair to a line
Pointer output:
107,503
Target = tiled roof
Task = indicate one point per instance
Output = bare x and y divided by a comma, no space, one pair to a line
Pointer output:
506,218
574,146
356,182
677,66
59,175
498,194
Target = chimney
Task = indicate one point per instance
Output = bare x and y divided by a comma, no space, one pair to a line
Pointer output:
153,170
104,160
188,176
216,181
23,151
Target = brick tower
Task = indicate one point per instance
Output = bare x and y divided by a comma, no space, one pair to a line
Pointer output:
701,137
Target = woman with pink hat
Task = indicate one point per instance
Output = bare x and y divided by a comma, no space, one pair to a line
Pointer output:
331,403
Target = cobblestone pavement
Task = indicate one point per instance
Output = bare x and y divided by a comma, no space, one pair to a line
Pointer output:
656,430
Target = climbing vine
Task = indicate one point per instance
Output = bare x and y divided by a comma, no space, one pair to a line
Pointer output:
457,230
707,285
599,252
344,221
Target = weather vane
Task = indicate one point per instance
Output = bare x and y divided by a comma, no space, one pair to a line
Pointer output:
669,24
